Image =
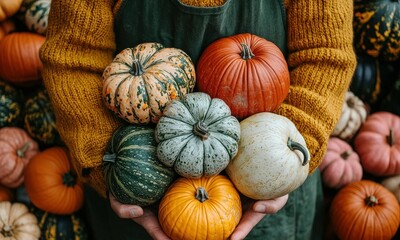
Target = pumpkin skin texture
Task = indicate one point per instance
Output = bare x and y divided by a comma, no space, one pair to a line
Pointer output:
51,184
17,149
204,208
8,8
197,136
17,223
392,183
142,80
353,115
247,72
10,105
132,171
272,160
6,194
376,27
378,144
36,16
19,58
341,164
364,210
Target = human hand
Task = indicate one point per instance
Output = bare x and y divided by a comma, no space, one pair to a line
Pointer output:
253,212
142,216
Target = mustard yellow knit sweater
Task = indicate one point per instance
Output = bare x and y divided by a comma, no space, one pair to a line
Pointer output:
80,44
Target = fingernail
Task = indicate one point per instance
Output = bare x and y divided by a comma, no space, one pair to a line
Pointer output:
260,208
134,212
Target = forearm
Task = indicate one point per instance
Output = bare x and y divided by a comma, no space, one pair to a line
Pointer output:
321,61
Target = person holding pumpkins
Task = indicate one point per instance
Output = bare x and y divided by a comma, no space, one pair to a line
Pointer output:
83,37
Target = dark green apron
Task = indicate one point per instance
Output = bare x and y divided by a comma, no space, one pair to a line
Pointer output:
191,29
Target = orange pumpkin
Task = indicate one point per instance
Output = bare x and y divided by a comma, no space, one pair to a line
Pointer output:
19,58
51,184
6,27
341,164
203,208
8,8
247,72
6,194
364,210
17,149
378,144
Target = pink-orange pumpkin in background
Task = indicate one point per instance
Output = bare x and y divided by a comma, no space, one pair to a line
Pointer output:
247,72
341,164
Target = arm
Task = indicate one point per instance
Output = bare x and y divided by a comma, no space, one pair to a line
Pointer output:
79,45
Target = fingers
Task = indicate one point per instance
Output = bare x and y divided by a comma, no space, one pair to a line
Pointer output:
125,210
270,206
247,223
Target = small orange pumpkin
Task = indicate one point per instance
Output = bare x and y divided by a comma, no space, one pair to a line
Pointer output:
51,184
17,149
364,210
203,208
341,164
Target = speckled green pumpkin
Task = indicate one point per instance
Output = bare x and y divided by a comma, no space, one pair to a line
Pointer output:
10,105
133,173
197,135
39,119
377,28
60,227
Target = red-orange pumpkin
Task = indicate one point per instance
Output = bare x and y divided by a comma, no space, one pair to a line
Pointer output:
51,184
6,27
16,150
247,72
6,194
378,144
341,164
19,58
364,210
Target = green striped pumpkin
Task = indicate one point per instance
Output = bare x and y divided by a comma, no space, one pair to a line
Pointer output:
376,25
132,170
10,105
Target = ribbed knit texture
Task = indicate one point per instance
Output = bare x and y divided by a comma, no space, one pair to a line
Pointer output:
80,45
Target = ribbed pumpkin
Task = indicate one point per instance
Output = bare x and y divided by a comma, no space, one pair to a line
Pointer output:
142,80
16,150
354,113
364,210
60,227
132,171
17,222
272,159
377,28
19,58
392,183
6,194
6,27
204,208
197,135
51,183
39,118
378,144
341,164
8,8
36,16
247,72
10,105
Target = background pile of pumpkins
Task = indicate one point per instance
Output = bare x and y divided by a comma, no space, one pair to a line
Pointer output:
362,161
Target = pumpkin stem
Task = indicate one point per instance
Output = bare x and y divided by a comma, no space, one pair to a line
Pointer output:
109,157
7,231
201,130
22,150
371,201
246,52
292,145
346,154
390,137
201,194
69,179
137,68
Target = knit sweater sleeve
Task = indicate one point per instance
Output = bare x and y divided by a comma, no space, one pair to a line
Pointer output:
79,45
321,61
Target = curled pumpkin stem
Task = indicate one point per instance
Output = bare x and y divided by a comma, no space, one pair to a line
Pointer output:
201,130
292,145
201,194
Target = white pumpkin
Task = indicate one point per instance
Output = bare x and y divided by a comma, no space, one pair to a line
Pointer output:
36,16
392,183
272,159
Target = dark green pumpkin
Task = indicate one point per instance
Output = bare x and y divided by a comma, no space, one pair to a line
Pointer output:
133,173
10,105
376,27
60,227
391,102
39,119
